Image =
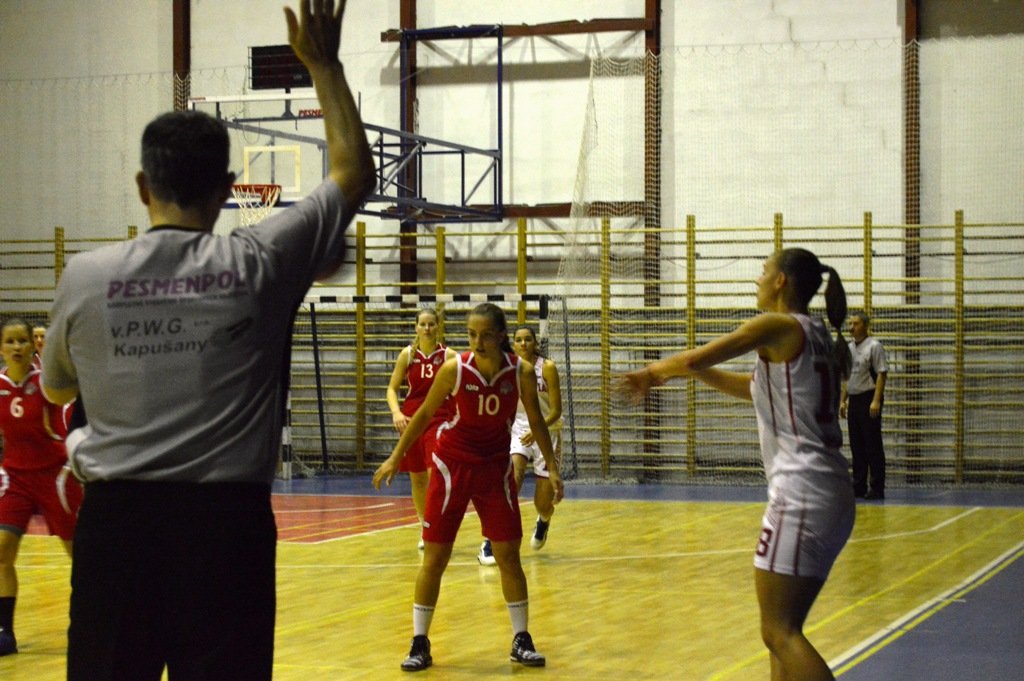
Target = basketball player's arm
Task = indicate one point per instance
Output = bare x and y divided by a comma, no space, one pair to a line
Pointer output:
60,396
554,401
778,337
400,420
554,393
538,427
442,386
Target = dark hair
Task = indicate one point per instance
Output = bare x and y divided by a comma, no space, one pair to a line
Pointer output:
185,157
542,343
804,271
17,321
497,318
525,327
863,316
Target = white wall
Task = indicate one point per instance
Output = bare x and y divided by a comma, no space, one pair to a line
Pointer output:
68,39
768,104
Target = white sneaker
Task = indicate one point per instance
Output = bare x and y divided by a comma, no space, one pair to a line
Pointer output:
420,545
486,557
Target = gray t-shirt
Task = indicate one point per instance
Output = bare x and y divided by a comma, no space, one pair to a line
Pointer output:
868,360
179,342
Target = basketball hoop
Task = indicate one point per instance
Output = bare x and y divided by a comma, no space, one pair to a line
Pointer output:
255,201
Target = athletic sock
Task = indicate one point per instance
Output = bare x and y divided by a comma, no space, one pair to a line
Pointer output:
520,614
421,617
7,613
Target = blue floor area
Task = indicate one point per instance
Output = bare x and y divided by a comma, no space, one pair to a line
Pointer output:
977,635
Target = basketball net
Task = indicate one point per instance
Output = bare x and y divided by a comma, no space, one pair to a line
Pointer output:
255,201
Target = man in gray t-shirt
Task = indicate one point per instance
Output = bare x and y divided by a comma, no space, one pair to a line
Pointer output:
861,404
179,343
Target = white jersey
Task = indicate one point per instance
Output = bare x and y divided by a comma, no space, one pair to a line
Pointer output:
522,423
797,406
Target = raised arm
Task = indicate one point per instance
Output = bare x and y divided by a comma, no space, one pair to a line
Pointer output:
315,36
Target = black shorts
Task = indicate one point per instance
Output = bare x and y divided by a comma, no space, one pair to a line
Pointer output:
173,574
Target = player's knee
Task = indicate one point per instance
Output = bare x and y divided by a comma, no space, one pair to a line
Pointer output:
507,555
776,634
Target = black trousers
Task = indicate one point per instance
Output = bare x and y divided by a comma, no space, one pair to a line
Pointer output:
173,574
865,444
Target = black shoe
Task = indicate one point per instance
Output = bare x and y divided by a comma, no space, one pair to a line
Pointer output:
875,494
540,534
8,646
486,556
419,655
523,651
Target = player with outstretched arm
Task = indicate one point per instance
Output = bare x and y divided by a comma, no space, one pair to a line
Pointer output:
795,390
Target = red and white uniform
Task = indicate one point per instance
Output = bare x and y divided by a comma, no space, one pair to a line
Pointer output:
34,476
472,460
810,496
420,376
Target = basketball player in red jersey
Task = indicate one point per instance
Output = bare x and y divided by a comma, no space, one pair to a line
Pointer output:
34,475
38,340
417,365
472,463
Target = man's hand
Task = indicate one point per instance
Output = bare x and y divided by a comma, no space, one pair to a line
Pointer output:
315,35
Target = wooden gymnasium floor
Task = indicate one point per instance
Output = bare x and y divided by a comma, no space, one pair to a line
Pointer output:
636,582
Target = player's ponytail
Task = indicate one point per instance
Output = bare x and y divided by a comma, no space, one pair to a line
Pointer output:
805,272
835,308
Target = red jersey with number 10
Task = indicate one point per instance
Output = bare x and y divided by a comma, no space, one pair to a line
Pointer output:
484,411
33,428
420,376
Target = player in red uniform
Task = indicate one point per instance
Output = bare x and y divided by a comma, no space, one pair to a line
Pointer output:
472,463
34,476
38,340
417,365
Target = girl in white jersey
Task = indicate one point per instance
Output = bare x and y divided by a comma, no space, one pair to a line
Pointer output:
524,446
795,390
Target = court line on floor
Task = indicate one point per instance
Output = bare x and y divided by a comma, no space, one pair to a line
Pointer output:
842,612
905,624
911,533
335,509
